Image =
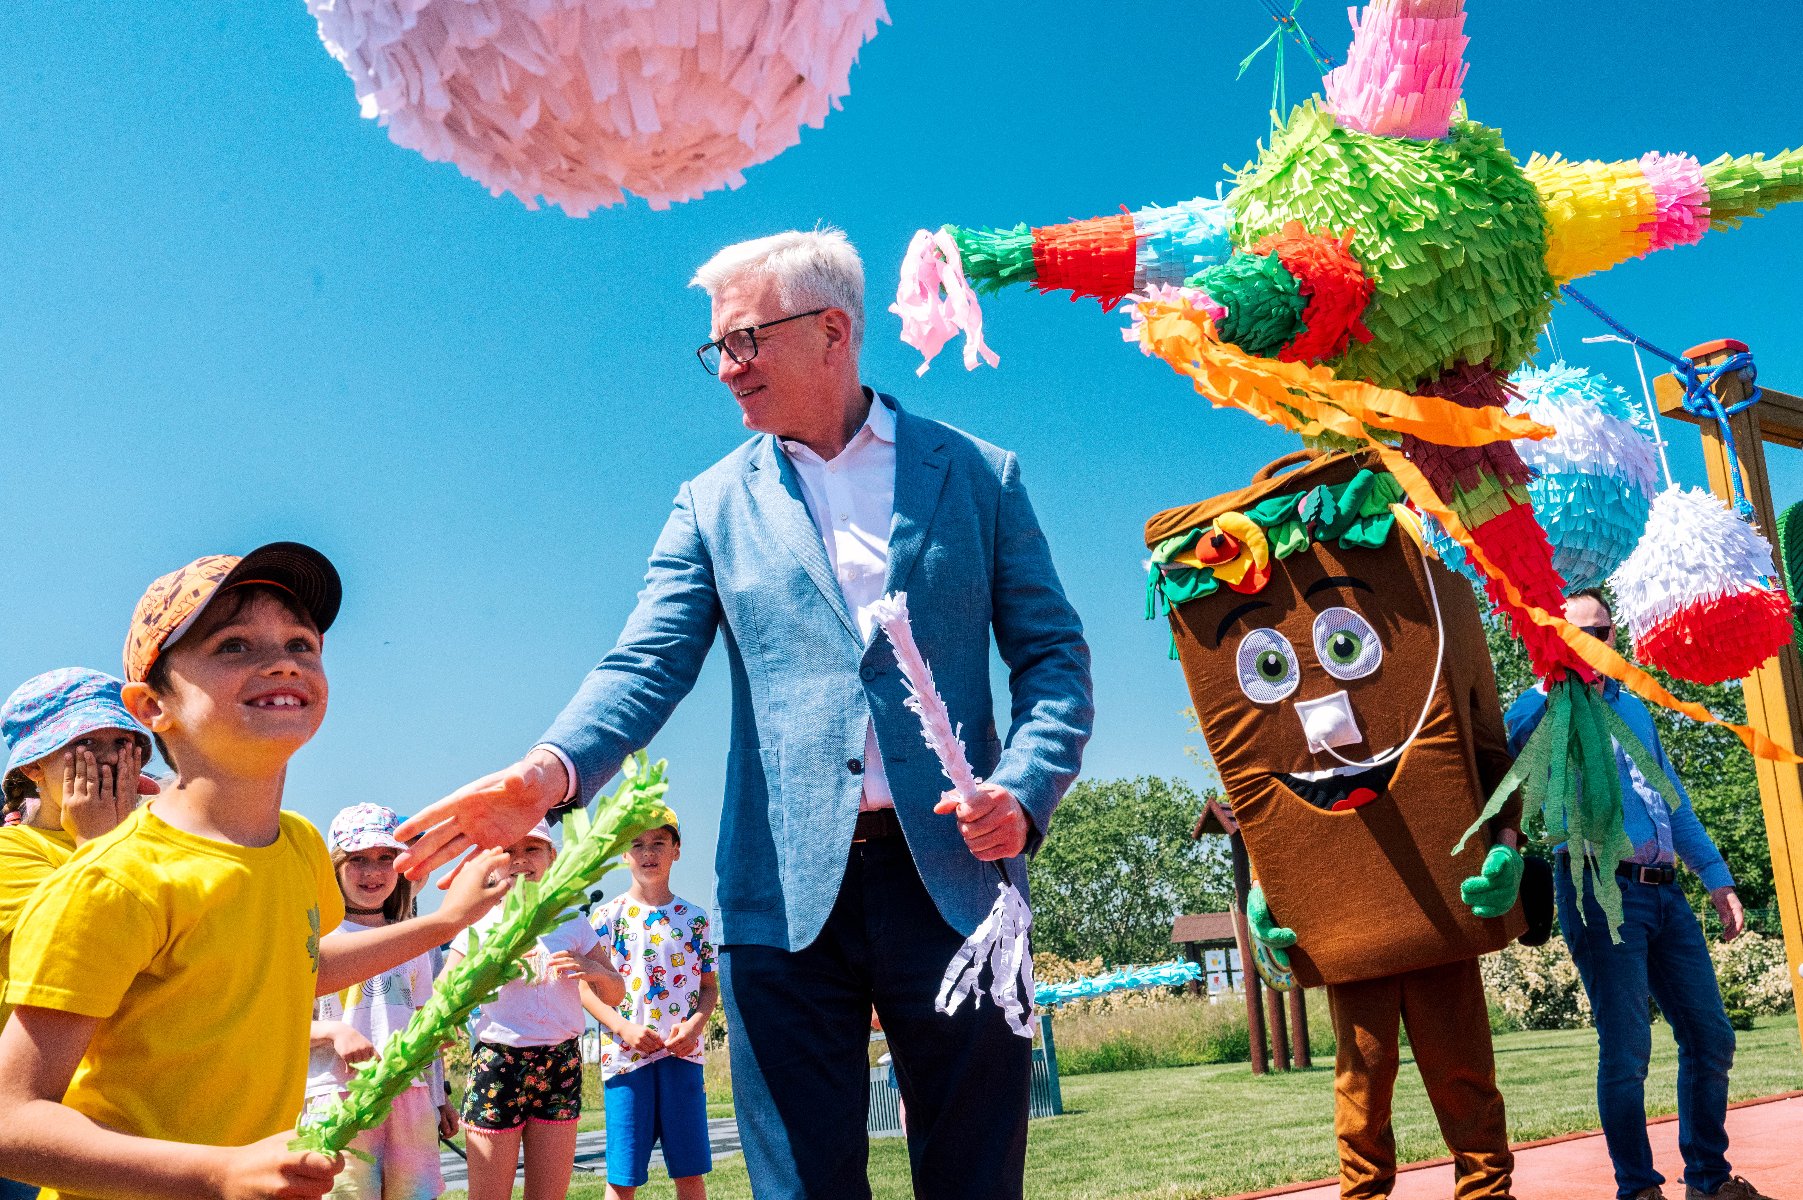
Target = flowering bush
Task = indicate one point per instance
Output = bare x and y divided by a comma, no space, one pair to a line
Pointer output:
1753,973
1536,987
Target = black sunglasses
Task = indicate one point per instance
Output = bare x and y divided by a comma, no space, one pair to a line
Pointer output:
1602,633
741,345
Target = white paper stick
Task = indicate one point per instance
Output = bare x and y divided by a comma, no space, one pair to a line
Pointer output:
1001,940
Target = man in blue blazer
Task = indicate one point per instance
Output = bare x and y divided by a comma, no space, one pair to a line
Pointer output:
848,878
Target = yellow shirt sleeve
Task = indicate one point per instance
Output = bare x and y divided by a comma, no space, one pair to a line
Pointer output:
27,857
331,896
80,943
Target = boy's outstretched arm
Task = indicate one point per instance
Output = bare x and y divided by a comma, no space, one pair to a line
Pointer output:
45,1142
347,959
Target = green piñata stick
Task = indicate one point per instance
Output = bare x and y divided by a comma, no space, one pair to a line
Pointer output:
591,849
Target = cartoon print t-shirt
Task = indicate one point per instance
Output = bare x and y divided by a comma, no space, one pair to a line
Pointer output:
662,953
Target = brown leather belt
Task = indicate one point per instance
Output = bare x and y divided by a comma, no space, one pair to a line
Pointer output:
875,824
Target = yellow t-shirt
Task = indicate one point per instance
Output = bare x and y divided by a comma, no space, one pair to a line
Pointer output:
200,958
27,856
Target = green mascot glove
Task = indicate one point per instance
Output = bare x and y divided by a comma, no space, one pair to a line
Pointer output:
1270,941
1492,893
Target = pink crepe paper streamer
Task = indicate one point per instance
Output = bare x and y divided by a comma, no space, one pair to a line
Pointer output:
935,302
1002,938
1682,198
1405,70
1166,293
582,101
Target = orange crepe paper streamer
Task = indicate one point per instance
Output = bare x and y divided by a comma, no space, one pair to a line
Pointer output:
1096,258
1308,399
1597,654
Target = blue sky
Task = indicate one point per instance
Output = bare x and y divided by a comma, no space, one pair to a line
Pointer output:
235,312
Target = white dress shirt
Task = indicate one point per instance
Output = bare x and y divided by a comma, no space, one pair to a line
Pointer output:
852,501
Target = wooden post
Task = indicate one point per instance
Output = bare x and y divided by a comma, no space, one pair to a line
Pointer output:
1242,936
1193,952
1774,692
1299,1051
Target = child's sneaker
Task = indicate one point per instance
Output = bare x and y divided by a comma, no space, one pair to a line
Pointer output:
1653,1193
1735,1189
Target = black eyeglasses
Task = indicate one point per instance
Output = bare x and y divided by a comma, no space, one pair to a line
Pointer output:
1602,633
741,345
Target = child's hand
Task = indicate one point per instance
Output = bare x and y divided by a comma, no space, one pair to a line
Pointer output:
638,1037
685,1039
96,795
567,964
478,887
352,1046
447,1120
270,1169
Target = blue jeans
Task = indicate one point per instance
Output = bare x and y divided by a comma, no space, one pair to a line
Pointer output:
17,1191
799,1035
1662,955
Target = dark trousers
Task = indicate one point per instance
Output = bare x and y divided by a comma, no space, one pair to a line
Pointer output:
1661,954
799,1031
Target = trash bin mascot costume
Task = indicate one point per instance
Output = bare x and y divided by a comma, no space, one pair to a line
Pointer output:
1342,682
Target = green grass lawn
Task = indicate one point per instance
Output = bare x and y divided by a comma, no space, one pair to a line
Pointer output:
1188,1133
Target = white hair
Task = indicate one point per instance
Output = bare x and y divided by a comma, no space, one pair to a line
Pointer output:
817,268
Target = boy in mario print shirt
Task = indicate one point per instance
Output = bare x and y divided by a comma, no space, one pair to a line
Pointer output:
651,1056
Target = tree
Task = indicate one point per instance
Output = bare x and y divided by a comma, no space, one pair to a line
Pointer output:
1715,768
1120,866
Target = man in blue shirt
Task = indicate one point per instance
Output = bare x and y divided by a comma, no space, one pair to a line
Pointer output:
1661,954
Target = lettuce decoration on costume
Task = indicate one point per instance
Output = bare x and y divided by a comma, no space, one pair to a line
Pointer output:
1401,340
1236,549
531,910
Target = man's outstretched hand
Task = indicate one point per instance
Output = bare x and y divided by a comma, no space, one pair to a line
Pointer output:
496,810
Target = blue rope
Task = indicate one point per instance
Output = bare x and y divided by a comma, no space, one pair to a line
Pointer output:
1699,390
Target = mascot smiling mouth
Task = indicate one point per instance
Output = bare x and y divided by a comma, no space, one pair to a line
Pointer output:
1341,789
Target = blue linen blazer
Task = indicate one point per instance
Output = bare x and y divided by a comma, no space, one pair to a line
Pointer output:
740,555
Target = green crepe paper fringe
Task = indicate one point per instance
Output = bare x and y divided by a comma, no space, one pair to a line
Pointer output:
1790,559
995,258
1355,515
1744,187
530,911
1489,499
1451,230
1264,302
1571,790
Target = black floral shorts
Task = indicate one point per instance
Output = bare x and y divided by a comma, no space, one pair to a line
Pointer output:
510,1085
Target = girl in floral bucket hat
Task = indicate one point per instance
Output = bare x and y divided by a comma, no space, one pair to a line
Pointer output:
78,754
399,1158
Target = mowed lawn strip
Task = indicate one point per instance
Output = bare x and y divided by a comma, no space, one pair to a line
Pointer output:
1190,1133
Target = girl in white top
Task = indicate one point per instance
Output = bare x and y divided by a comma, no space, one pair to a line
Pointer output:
525,1067
351,1026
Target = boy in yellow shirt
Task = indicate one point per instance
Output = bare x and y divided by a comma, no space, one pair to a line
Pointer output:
164,978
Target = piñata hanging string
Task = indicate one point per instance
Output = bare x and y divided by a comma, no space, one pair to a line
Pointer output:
1288,26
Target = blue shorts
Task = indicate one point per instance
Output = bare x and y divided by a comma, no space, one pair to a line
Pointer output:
662,1101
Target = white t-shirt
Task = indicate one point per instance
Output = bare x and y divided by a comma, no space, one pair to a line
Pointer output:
661,951
534,1011
376,1008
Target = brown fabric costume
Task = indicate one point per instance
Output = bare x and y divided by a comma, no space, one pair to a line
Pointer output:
1372,892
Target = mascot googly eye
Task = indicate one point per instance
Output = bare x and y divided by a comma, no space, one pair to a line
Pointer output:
1267,665
1346,644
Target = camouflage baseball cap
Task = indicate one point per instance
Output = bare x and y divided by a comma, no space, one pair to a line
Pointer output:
171,604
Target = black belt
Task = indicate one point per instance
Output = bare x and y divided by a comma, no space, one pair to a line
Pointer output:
1638,872
875,824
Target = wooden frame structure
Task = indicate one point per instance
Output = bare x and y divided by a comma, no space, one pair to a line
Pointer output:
1774,692
1264,1005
